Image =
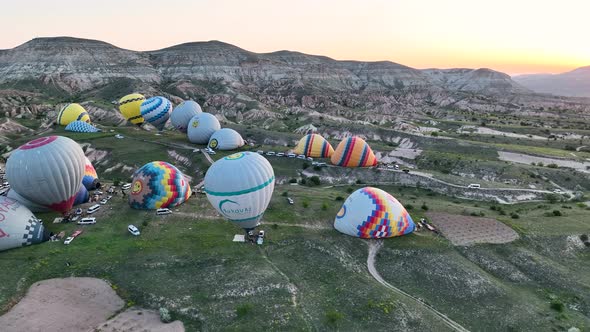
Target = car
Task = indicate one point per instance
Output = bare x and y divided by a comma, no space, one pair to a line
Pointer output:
69,240
93,209
163,211
301,156
322,164
133,230
280,154
309,159
474,186
260,152
405,170
211,152
98,192
396,166
87,221
119,136
196,150
291,155
109,197
261,234
290,200
78,211
315,163
126,186
104,201
5,183
270,153
389,166
558,191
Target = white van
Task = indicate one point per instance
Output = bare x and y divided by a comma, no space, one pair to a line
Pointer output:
87,221
474,186
161,212
126,186
93,209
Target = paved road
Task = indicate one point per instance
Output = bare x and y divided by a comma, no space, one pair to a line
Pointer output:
374,246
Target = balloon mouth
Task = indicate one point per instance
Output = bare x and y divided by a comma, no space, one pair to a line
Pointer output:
97,185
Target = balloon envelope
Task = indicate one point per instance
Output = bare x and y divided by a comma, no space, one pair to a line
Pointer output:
47,171
372,213
90,179
354,152
18,225
156,111
34,207
183,113
72,112
81,127
82,196
226,139
201,127
130,105
240,187
314,145
158,185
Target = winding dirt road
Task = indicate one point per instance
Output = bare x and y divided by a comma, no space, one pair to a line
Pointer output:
374,246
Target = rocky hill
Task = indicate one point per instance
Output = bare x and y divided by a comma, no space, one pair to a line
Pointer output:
574,83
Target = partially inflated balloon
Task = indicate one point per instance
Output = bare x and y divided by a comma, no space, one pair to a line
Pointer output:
158,185
156,111
82,196
90,179
183,113
226,139
354,152
47,171
372,213
72,112
34,207
314,145
18,225
130,108
240,187
81,127
201,127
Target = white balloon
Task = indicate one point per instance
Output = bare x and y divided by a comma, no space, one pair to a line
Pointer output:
201,127
18,225
226,139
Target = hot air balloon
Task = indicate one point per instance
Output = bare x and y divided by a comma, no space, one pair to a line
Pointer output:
18,225
354,152
82,196
314,145
90,179
34,207
81,127
183,113
226,139
72,112
156,111
130,105
372,213
240,187
47,171
158,185
201,127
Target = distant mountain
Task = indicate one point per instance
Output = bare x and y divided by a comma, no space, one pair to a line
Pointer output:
483,80
575,83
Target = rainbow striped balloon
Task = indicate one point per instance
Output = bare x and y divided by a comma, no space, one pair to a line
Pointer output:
90,179
314,145
372,213
354,152
158,185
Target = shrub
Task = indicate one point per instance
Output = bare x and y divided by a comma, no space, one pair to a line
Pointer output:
424,207
359,181
286,193
584,237
514,215
349,190
324,206
305,204
165,316
315,180
434,134
333,317
552,198
409,207
317,168
144,223
302,181
552,165
481,214
474,214
557,306
116,182
274,226
292,180
557,213
305,165
339,198
243,309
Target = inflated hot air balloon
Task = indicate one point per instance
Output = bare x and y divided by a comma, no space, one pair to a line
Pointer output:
240,187
354,152
130,105
372,213
226,139
18,225
34,207
183,113
158,185
81,127
156,111
314,145
82,196
201,127
47,171
90,179
72,112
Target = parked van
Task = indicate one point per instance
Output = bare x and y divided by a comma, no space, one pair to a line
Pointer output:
87,221
163,211
93,209
126,186
474,186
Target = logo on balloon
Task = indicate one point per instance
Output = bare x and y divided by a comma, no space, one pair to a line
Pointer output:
213,143
137,187
233,208
235,156
342,212
195,123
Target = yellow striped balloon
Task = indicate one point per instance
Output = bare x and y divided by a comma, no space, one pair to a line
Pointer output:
72,112
314,145
130,108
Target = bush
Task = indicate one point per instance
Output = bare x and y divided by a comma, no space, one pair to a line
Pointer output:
557,213
552,165
584,237
557,306
144,223
514,215
324,206
409,207
286,193
339,198
243,309
302,181
424,207
434,134
292,180
359,181
349,190
317,168
305,204
165,316
305,165
333,317
116,182
315,180
552,198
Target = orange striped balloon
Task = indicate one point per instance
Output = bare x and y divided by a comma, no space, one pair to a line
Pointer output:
354,152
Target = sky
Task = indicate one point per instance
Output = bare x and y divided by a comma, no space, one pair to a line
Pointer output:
512,36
